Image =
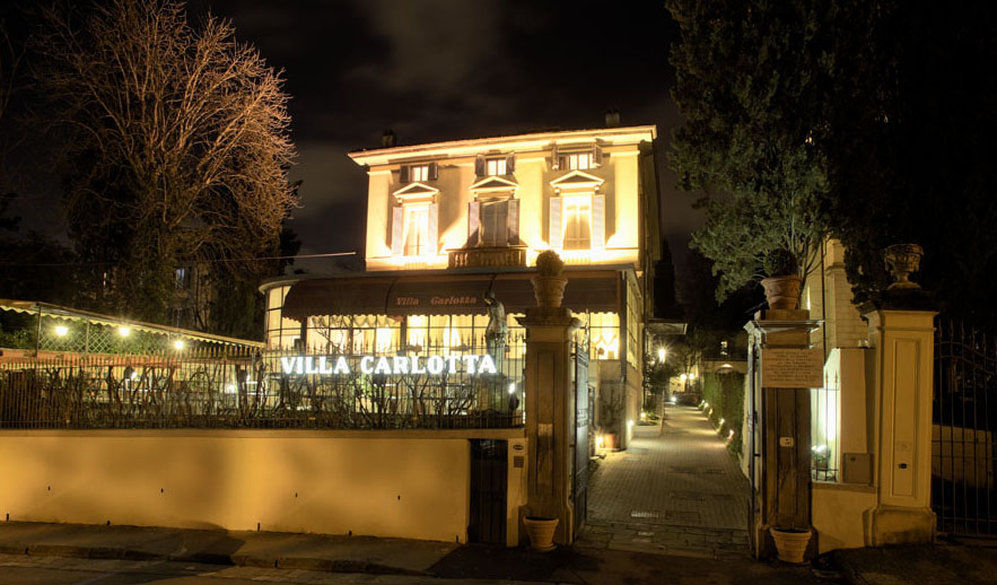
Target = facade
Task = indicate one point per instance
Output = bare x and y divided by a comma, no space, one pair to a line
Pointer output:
451,223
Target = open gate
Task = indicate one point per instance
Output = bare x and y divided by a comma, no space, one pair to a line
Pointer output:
964,422
583,408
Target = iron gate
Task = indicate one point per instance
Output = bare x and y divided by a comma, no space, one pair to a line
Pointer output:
964,421
583,408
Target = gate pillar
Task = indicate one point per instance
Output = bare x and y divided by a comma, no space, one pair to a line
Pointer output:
780,429
900,377
550,401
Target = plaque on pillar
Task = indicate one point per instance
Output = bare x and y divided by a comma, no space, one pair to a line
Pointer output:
786,367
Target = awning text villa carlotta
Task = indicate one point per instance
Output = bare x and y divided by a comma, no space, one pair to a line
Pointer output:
369,364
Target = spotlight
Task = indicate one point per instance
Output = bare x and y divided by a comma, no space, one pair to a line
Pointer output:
61,330
178,344
124,331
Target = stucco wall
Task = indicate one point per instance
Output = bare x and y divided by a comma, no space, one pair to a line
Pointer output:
282,481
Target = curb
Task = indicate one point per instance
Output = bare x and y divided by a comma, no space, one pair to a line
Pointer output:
119,553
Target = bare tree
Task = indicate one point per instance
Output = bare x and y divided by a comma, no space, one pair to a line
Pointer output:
178,148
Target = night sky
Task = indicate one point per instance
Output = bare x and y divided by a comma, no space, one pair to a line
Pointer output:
435,70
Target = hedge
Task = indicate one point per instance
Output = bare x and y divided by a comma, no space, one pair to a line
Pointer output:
725,394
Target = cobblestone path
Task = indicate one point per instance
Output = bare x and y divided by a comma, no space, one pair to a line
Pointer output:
676,491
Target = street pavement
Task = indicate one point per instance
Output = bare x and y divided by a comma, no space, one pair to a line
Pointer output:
675,491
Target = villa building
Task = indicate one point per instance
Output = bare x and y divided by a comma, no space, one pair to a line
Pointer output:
451,223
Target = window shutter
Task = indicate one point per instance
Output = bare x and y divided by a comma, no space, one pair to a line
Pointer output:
397,233
598,221
597,156
556,232
403,174
512,217
433,232
473,223
434,171
479,166
510,165
555,160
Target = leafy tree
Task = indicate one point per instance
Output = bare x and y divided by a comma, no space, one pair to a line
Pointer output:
177,148
749,77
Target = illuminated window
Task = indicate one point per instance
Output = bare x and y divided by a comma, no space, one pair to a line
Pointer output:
495,167
383,339
416,329
418,173
451,337
577,223
494,223
578,161
417,241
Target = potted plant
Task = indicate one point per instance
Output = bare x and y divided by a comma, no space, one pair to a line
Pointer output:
548,284
791,543
540,530
782,285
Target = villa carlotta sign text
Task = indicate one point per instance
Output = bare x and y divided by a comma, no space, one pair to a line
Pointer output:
368,364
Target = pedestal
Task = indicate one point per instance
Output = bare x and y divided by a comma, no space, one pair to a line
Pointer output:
549,417
781,434
902,346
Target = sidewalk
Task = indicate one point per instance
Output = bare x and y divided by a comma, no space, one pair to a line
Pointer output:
938,564
675,491
344,554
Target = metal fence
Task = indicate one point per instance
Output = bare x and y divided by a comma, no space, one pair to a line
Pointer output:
434,388
964,420
824,426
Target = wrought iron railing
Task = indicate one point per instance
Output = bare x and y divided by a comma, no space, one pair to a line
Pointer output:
434,388
964,422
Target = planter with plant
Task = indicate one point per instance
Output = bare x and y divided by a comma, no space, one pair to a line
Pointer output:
783,282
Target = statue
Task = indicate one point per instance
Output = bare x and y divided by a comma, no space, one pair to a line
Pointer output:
495,332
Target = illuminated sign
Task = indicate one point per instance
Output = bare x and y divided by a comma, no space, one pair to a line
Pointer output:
433,365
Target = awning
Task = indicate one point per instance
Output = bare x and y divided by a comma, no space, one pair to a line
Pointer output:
443,294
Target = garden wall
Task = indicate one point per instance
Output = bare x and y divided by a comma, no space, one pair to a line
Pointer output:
408,484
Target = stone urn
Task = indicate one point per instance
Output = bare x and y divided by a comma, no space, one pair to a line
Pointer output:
901,261
791,544
548,284
540,530
782,292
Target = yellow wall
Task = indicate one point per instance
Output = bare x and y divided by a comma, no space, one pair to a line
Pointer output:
399,486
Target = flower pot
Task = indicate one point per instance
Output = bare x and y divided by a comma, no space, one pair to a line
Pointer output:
549,290
782,292
791,544
541,532
901,261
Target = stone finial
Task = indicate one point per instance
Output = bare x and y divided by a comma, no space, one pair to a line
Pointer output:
901,261
548,284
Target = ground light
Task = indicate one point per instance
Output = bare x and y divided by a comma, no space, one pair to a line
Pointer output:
124,331
178,344
61,330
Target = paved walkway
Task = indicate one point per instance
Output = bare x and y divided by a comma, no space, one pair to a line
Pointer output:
676,490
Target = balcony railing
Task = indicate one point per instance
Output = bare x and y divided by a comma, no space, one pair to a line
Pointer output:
490,257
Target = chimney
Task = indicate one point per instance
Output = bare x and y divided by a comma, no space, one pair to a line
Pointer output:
612,118
388,139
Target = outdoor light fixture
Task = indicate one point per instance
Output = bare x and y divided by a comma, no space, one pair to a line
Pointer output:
124,331
178,344
512,387
722,421
600,442
661,354
61,330
683,377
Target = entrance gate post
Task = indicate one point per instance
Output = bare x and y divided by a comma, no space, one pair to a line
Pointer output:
550,400
780,432
901,336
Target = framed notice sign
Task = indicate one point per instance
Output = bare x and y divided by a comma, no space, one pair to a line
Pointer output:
792,368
